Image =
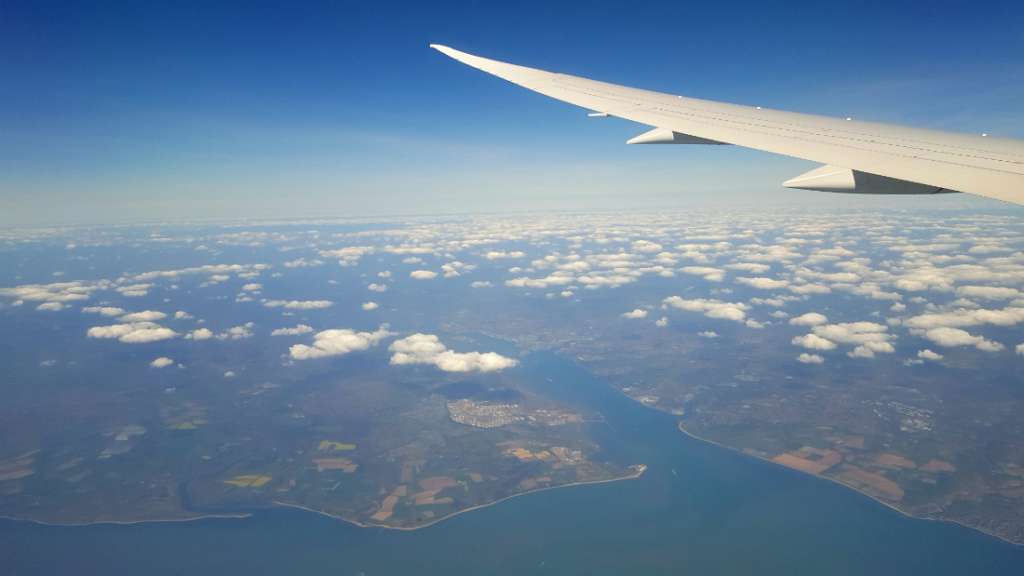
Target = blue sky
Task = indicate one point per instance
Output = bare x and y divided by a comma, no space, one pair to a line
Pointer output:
147,110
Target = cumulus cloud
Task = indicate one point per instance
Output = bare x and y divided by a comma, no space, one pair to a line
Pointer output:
336,342
104,310
762,283
870,334
809,319
144,316
370,306
349,255
135,290
646,247
710,334
502,255
51,306
428,349
752,267
298,304
954,337
481,284
252,287
1020,349
199,334
377,287
814,342
57,292
1008,316
988,292
161,362
132,333
708,273
240,332
635,314
927,354
303,263
422,274
735,311
661,322
294,331
806,358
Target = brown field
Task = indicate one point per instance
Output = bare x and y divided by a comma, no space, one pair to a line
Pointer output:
870,482
810,460
343,464
387,507
894,461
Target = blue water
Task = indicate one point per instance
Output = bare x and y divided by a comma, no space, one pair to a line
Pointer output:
699,509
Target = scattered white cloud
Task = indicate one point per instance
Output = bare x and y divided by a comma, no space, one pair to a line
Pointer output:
303,263
298,304
954,337
252,287
199,334
428,349
370,306
927,354
710,334
806,358
161,362
349,255
814,342
182,315
809,319
104,310
502,255
377,287
240,332
635,314
481,284
51,306
706,272
661,322
422,274
144,316
762,283
735,311
293,331
336,342
133,332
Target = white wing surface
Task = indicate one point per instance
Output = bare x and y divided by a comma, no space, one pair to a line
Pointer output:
859,157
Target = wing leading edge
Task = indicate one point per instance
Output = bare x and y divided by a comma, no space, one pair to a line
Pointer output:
858,156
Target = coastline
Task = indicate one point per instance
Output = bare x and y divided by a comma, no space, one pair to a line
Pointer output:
888,505
226,515
638,471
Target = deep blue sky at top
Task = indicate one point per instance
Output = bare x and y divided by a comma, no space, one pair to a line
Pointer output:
145,110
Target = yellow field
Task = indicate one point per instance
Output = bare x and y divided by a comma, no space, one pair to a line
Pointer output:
331,445
249,480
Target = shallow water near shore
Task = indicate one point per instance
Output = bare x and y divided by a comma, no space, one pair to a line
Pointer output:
698,509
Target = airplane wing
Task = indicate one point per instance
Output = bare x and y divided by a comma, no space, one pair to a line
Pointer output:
857,157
